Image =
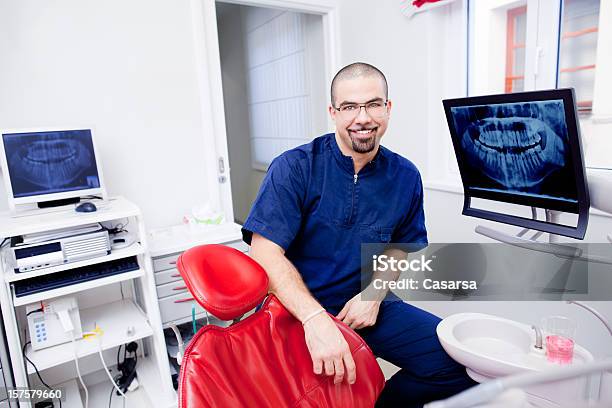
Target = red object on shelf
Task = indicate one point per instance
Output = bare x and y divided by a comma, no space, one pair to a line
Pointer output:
575,69
588,30
263,360
420,3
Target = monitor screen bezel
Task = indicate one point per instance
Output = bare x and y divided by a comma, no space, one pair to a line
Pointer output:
15,202
571,116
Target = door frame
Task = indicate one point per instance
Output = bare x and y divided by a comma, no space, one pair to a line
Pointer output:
208,65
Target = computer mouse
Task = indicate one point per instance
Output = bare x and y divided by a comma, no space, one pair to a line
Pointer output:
86,207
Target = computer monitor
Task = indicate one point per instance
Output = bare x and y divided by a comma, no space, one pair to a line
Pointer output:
521,148
42,166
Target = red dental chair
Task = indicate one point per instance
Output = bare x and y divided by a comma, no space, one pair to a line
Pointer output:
261,361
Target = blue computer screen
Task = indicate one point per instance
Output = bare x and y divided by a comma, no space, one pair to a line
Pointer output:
517,149
50,162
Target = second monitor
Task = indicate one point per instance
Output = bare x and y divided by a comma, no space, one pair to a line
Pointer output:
521,148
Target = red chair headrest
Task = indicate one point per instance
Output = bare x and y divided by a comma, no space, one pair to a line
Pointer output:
223,280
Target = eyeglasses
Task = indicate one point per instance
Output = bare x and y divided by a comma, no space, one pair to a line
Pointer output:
376,109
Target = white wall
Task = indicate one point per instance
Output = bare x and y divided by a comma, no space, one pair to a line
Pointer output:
126,67
279,99
381,35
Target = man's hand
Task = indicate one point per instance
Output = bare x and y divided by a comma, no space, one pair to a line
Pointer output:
358,313
328,349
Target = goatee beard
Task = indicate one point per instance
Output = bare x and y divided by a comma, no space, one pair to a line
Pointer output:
363,146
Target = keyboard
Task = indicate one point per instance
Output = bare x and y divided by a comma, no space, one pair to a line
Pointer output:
73,276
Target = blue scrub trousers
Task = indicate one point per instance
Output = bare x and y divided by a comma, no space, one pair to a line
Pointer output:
406,336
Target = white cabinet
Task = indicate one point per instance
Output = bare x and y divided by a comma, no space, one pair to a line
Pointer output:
122,306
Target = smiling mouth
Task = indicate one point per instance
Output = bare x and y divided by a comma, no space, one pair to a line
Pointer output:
363,133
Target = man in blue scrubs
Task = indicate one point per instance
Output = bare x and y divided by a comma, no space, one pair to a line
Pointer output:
317,204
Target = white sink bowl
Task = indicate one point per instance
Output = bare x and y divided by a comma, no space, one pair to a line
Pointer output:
490,347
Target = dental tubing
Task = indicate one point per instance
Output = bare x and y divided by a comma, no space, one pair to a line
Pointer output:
487,391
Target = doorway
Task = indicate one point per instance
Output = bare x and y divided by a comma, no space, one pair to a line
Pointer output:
274,74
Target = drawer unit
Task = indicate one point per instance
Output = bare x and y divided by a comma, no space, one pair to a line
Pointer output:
177,307
164,277
165,262
169,261
171,287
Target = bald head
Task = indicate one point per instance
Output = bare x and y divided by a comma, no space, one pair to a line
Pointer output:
356,70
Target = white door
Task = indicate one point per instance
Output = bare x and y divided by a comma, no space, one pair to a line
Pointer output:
271,96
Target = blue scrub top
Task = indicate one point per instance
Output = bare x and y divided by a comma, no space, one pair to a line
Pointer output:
313,205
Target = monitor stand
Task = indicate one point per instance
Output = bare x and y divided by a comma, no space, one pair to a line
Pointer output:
58,203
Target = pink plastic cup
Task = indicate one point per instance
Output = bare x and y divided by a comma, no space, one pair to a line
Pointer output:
559,332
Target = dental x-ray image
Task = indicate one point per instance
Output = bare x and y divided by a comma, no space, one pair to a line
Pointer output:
50,162
517,148
521,148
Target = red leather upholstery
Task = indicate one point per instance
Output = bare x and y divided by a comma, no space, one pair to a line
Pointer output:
226,282
262,361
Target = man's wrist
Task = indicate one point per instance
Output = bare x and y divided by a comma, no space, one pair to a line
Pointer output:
317,319
370,293
312,315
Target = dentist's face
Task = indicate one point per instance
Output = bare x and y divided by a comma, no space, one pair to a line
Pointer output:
360,128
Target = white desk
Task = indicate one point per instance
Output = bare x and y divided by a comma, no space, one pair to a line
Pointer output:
133,317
